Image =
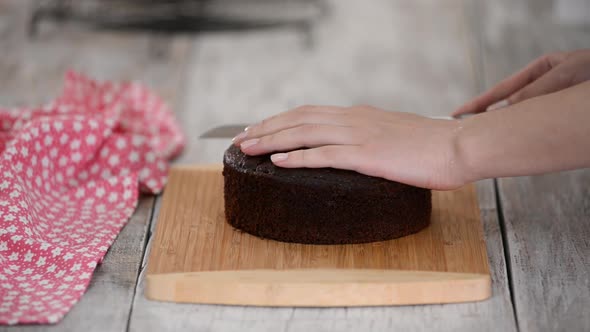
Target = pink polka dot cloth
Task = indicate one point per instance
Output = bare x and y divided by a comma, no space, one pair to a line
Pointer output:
70,173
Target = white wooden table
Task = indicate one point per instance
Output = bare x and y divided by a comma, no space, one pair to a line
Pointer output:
422,56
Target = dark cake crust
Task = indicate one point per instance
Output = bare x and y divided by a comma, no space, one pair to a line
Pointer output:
318,206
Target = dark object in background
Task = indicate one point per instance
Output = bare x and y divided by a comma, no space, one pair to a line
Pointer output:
318,206
179,15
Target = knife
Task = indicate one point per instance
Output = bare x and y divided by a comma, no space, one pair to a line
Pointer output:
231,130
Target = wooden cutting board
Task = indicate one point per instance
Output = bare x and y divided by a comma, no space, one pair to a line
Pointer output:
197,257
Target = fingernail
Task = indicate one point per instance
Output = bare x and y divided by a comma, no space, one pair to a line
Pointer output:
249,143
279,157
498,105
240,136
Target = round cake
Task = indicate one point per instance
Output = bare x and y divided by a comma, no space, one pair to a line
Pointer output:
318,206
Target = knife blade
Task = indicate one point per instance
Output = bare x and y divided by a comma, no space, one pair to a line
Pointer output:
231,130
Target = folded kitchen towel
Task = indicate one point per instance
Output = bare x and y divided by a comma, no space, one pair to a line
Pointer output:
70,173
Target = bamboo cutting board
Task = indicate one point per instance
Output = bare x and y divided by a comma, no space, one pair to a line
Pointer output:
197,257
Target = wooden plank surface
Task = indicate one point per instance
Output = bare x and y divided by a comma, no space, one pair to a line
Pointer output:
198,257
32,71
548,230
393,54
546,217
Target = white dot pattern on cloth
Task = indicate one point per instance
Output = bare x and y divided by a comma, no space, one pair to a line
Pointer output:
70,176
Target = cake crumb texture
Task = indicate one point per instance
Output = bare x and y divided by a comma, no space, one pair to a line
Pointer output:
318,206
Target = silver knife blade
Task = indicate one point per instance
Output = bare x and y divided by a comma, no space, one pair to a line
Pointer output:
231,130
226,131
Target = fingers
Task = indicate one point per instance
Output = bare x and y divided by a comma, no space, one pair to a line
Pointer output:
334,156
512,84
556,79
320,115
303,136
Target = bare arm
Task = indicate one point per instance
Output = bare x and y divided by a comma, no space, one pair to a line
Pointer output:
539,135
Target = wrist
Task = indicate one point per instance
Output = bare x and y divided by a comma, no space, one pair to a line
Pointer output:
476,144
463,159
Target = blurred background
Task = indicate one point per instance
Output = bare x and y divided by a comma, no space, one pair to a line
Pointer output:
235,62
220,62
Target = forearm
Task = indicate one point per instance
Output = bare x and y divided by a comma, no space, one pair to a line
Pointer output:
540,135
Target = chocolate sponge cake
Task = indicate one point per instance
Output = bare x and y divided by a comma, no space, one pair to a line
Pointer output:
318,206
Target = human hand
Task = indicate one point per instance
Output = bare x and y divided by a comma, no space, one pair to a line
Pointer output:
547,74
397,146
